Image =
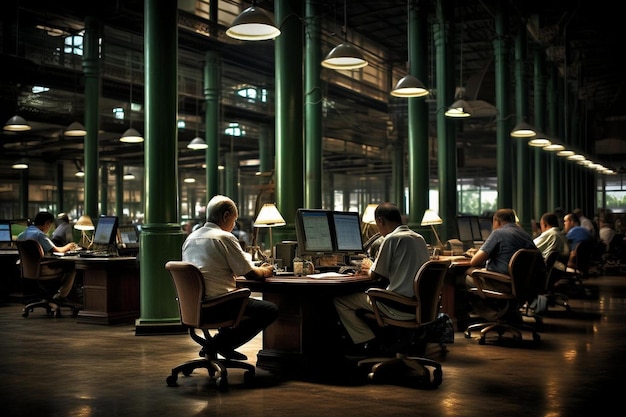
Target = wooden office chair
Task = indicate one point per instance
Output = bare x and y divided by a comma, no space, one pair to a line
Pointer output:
555,297
526,278
425,304
204,314
33,268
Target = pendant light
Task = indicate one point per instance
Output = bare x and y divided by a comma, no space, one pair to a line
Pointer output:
131,135
253,24
17,124
344,56
409,85
197,143
460,108
75,129
523,130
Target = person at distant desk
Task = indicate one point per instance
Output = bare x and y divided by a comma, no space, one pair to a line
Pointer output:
401,254
551,239
217,253
39,231
575,233
63,234
506,238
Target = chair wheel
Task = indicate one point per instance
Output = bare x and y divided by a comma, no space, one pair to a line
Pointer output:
222,383
248,378
171,381
482,340
25,313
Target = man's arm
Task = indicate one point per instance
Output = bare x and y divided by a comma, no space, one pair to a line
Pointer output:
479,258
260,273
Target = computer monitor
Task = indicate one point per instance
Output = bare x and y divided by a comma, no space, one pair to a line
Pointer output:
485,223
18,226
469,229
5,233
128,234
313,232
346,228
106,231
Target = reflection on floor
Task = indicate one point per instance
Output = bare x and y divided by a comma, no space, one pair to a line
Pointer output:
57,367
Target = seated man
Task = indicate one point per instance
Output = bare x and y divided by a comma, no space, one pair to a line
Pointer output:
39,231
400,256
575,233
506,238
62,234
551,239
217,253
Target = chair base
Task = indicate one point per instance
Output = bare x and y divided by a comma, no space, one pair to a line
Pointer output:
53,307
501,328
406,370
217,370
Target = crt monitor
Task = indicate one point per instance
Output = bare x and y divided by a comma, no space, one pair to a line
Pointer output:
313,232
485,224
347,232
106,231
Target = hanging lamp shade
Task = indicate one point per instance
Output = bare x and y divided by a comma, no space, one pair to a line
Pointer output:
459,109
131,136
409,86
253,24
21,164
75,129
540,141
344,57
197,143
17,124
79,173
129,176
523,130
84,223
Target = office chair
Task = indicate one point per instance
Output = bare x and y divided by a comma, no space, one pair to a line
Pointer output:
555,297
31,262
526,278
204,314
407,336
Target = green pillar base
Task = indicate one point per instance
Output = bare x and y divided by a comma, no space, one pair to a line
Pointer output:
158,327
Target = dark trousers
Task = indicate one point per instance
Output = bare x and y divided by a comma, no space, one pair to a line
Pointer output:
258,315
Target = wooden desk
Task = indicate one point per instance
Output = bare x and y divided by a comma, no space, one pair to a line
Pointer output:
11,284
110,289
306,337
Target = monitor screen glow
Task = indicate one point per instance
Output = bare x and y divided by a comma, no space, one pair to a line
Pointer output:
106,231
348,236
313,232
5,232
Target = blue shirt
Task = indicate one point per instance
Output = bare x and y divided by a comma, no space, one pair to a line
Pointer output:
502,243
34,233
577,234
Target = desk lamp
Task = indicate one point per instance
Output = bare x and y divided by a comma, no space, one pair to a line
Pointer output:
84,224
269,216
431,219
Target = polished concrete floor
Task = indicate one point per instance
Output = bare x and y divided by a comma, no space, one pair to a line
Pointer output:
57,367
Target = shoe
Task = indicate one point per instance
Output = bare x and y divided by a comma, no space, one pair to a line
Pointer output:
363,350
233,355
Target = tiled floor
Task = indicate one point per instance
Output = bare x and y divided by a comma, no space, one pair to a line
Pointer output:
57,367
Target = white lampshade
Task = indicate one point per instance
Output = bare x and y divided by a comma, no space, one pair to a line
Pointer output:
84,223
269,216
76,129
131,136
16,124
431,218
409,86
344,57
197,143
368,214
458,109
523,130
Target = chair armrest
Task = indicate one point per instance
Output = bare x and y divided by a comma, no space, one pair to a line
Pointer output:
238,299
488,276
391,299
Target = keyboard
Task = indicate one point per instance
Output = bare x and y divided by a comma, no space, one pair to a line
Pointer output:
96,254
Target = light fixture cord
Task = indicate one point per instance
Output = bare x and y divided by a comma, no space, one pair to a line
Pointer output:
345,20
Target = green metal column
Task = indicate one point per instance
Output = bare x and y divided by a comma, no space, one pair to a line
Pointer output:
91,69
503,129
119,190
161,236
289,112
104,189
212,75
554,196
398,165
266,153
446,141
231,171
313,100
524,190
540,156
418,133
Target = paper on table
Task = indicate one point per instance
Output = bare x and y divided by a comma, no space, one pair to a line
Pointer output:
327,275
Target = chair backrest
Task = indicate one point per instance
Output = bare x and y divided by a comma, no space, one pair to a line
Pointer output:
31,255
527,270
196,311
427,287
584,256
189,284
550,261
